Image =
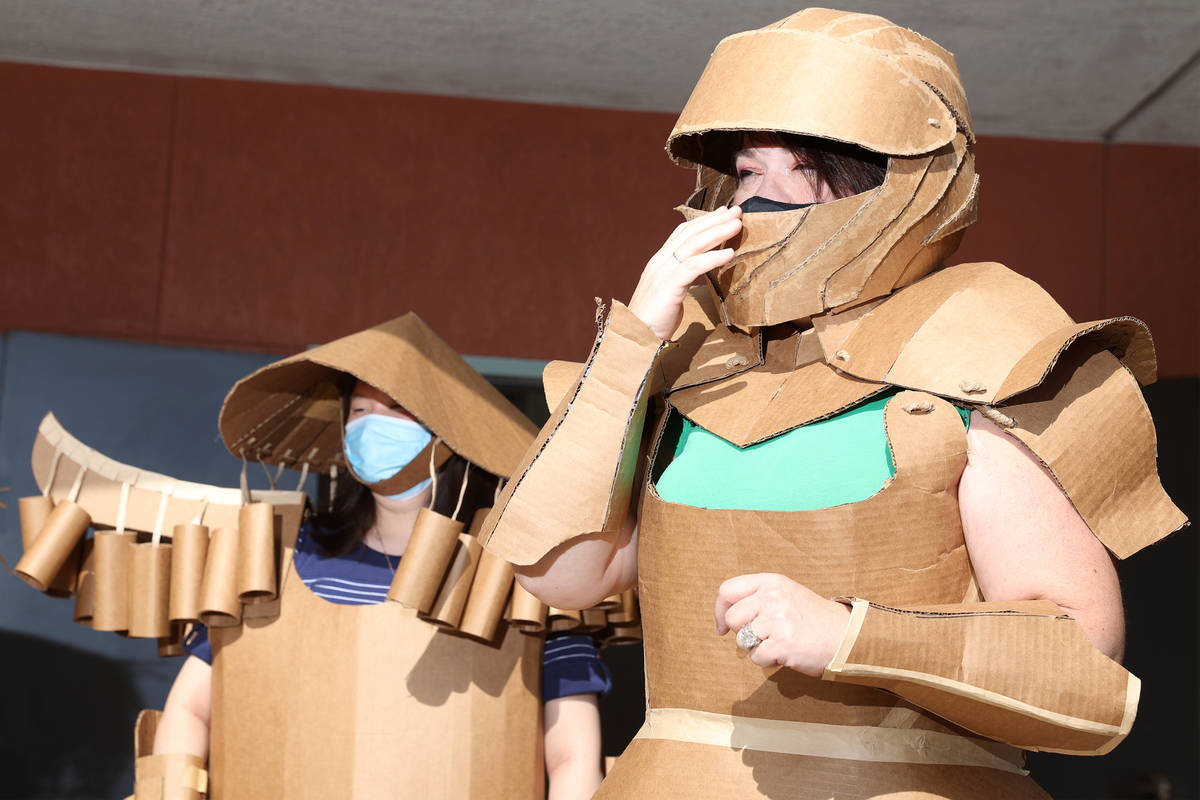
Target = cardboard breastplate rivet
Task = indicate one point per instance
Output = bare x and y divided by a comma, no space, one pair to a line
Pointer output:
972,387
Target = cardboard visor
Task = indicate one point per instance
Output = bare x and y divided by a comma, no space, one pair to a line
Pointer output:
812,84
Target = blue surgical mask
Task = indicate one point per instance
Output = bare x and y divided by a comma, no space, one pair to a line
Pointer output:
378,446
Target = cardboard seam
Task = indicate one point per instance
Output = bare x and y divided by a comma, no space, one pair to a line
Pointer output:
1000,612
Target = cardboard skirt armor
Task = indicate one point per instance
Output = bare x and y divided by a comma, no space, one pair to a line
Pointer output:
327,700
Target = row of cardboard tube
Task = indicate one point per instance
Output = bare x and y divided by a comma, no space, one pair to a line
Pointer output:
155,589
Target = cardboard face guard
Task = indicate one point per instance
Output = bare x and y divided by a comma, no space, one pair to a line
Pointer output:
796,76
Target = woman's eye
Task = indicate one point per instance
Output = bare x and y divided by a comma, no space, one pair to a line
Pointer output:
744,174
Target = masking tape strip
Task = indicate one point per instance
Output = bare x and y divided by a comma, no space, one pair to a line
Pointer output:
122,506
162,513
850,742
53,471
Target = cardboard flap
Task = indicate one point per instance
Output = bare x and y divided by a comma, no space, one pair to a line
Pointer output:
288,412
557,379
790,387
1127,338
150,494
1086,410
957,333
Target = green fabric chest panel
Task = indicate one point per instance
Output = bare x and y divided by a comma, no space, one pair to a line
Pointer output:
843,459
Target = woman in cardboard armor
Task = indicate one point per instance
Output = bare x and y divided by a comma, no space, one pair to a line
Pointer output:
350,684
890,479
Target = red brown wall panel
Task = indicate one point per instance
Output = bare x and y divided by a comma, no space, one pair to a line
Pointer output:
1152,254
271,216
85,157
298,214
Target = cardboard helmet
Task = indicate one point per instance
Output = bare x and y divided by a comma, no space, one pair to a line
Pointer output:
851,78
289,413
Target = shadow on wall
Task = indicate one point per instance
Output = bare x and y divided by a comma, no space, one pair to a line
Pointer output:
66,723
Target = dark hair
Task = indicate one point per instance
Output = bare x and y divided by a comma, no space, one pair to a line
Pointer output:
846,169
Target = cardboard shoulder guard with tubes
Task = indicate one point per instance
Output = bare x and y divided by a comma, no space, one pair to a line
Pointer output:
887,318
165,554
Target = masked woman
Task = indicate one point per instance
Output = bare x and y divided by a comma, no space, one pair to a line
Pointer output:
891,478
338,691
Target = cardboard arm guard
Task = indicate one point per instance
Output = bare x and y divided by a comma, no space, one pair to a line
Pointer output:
169,776
578,475
971,665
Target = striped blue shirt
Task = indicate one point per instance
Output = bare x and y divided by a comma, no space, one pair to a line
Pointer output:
571,664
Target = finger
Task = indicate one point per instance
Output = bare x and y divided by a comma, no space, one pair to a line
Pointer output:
766,654
729,593
692,268
701,223
743,612
705,240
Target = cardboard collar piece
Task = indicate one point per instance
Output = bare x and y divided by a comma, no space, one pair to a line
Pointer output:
289,412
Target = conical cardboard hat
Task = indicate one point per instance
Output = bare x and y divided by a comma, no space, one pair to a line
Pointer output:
289,413
854,78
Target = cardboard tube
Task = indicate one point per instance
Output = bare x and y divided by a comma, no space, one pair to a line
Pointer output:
149,590
189,549
594,619
526,611
627,613
489,595
609,603
623,634
86,586
452,599
53,546
172,643
563,619
110,597
219,604
256,553
425,560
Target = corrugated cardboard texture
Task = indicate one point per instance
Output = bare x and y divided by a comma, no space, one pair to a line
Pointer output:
978,672
416,712
589,455
289,412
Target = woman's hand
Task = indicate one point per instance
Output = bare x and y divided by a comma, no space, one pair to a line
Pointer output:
687,254
798,628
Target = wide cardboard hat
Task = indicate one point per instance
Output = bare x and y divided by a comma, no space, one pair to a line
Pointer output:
846,77
289,413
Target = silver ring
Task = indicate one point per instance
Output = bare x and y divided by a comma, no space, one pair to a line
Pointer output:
747,639
675,258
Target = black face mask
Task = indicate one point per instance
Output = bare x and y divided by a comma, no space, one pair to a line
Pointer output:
756,205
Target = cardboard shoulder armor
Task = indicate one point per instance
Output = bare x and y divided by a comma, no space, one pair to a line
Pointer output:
166,553
979,335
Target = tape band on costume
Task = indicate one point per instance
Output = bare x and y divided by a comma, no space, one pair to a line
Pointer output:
852,742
